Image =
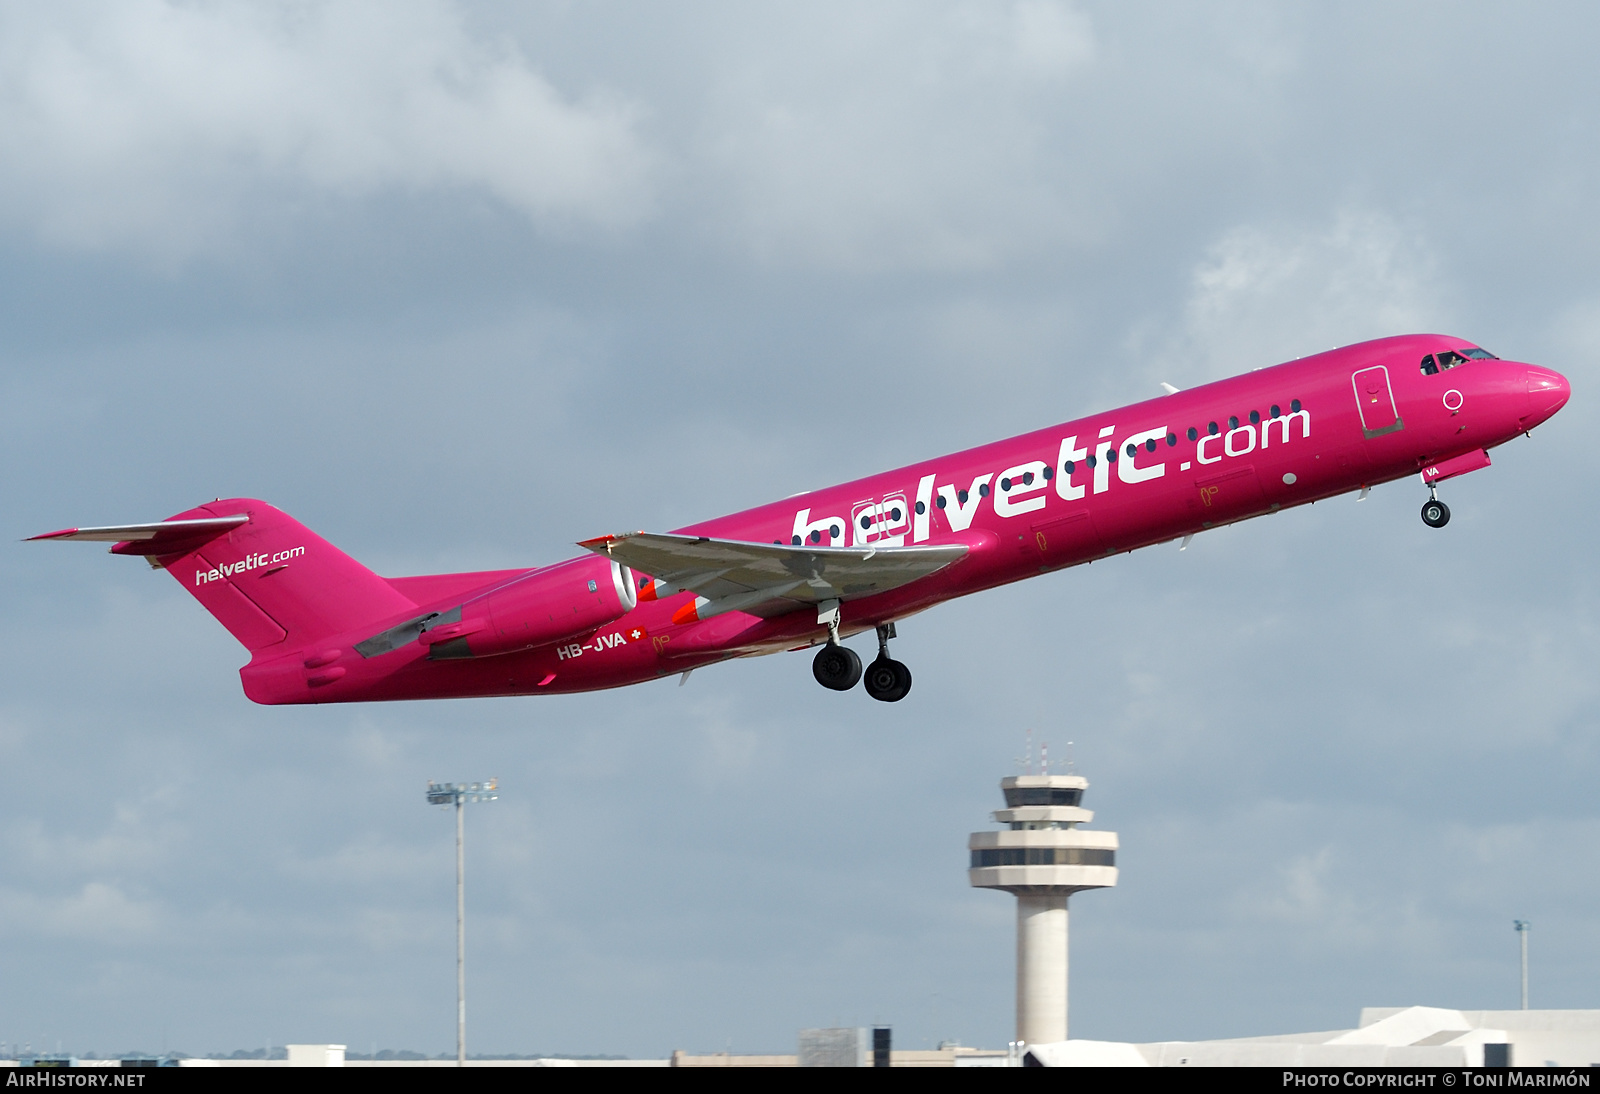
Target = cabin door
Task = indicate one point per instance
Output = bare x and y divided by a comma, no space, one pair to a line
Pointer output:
1375,401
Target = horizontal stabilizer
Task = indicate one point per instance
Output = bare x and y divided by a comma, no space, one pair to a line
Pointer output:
152,539
770,579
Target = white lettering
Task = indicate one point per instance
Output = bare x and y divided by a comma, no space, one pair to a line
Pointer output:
919,528
1102,465
1074,455
1227,441
1130,472
1200,450
960,513
820,532
880,522
1025,478
1283,424
251,561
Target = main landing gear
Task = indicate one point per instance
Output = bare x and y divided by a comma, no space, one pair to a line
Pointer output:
888,680
1435,513
837,667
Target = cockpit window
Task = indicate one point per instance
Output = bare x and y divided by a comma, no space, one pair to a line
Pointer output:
1430,367
1450,359
1479,354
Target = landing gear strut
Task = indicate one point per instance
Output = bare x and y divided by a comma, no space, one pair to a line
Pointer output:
1435,513
836,666
888,680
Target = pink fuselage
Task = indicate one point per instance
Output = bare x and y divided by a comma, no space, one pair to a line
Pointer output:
1284,436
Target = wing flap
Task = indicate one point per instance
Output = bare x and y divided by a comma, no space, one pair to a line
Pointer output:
770,579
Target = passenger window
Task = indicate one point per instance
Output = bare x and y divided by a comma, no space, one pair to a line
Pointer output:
1194,434
1255,417
1276,410
1429,366
1294,406
1233,421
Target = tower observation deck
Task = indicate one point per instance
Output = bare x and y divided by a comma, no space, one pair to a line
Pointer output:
1042,857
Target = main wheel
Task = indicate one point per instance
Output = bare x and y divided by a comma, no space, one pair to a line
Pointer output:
887,680
836,667
1435,514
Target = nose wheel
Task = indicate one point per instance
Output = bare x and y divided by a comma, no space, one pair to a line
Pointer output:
888,681
1435,513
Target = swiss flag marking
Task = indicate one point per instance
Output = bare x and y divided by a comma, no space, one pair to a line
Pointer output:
637,634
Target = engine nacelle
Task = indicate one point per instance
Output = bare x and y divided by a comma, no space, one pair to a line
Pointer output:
546,606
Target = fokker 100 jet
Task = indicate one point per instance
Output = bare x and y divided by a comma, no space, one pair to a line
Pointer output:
819,567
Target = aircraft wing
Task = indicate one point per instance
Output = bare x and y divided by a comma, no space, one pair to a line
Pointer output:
769,579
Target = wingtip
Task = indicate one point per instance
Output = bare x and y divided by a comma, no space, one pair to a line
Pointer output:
57,534
599,543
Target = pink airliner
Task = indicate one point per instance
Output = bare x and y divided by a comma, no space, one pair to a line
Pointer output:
816,568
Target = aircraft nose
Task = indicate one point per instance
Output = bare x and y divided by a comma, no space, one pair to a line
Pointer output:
1548,392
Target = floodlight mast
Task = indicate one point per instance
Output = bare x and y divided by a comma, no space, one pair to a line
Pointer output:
458,794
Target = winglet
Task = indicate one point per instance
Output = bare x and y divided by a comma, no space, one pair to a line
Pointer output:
1169,388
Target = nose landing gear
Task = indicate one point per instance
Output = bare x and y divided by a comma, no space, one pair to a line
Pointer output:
888,680
1435,513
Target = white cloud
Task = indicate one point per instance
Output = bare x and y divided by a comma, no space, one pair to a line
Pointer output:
1264,295
158,124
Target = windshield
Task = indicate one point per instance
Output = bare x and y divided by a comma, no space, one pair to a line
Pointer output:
1448,358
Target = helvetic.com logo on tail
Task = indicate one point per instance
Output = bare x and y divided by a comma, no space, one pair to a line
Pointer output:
249,562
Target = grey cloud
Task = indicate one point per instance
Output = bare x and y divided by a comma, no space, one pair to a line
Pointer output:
156,126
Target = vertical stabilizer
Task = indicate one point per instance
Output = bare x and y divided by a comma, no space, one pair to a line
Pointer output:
271,581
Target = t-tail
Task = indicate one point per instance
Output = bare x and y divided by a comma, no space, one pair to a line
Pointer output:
271,581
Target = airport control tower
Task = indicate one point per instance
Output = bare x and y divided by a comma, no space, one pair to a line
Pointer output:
1042,857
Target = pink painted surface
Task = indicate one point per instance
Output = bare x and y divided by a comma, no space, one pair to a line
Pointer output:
1459,465
1057,497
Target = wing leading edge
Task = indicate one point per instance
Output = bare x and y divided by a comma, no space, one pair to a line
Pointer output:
769,579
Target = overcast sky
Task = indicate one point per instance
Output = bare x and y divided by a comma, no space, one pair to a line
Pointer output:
460,284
